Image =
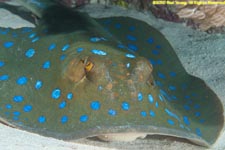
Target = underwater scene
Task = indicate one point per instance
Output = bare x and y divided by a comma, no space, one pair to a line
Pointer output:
120,74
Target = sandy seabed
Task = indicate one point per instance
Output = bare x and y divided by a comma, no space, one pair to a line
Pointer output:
201,54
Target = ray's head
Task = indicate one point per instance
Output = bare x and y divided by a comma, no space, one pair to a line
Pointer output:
116,74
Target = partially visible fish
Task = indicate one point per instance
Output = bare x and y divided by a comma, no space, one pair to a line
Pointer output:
75,77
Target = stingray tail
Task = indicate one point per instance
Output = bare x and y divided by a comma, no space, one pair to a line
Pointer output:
36,6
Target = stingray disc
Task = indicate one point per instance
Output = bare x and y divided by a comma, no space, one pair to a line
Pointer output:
75,77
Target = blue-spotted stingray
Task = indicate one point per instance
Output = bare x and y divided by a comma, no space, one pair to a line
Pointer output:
74,77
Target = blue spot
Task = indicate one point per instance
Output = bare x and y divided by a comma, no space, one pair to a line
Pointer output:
173,97
98,52
46,65
100,88
35,39
112,112
150,40
21,80
121,46
184,86
95,105
172,88
64,119
83,118
162,76
150,98
125,106
7,113
143,113
158,46
128,65
8,44
65,47
107,22
69,96
15,118
186,107
159,62
132,47
156,105
4,32
194,94
32,35
140,96
160,97
118,26
62,57
131,38
16,113
198,132
51,46
187,128
171,122
80,49
165,94
197,106
56,93
2,63
181,126
62,104
187,97
4,77
8,106
38,84
41,119
14,35
171,114
30,53
18,98
153,62
158,83
173,74
155,52
197,114
131,28
27,108
152,113
186,120
201,120
96,39
26,29
130,56
45,31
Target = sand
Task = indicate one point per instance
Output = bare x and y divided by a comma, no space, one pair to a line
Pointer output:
201,54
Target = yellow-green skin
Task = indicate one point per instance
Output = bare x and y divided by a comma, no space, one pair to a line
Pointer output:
75,77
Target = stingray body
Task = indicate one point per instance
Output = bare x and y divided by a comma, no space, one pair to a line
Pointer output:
74,77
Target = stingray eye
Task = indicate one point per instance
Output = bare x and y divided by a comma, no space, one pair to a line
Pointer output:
88,66
93,67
